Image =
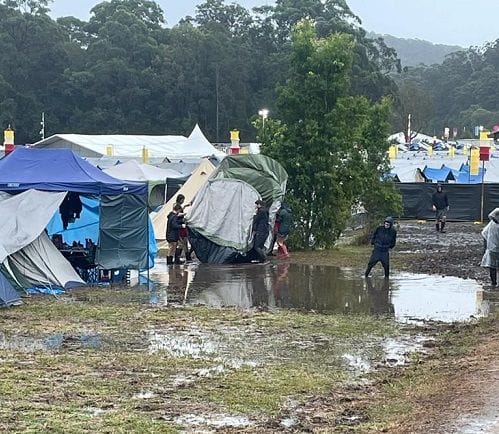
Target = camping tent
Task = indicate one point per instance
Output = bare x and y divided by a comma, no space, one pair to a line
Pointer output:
123,234
26,253
120,145
154,176
189,190
220,221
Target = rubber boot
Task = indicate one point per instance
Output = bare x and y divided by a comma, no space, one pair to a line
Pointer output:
178,261
493,276
188,257
442,230
437,226
169,260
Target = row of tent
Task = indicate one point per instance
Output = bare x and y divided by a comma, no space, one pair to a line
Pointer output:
442,168
34,182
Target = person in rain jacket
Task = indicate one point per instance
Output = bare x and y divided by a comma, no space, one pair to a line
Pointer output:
173,226
383,239
490,234
261,229
440,204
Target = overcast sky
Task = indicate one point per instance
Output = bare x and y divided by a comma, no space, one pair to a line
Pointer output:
455,22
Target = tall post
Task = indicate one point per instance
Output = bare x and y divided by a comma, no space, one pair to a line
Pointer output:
483,192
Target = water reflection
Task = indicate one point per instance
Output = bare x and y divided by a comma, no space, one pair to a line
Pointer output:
405,296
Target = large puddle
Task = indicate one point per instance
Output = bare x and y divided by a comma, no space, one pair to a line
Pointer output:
405,296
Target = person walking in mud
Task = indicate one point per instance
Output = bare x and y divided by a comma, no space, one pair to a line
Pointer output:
261,229
383,239
440,204
490,234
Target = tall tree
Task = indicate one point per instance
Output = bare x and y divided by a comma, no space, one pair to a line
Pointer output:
332,144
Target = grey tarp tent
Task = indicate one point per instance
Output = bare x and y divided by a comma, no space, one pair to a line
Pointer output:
263,178
27,255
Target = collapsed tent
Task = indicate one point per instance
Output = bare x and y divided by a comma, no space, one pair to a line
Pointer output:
189,190
123,227
220,221
27,255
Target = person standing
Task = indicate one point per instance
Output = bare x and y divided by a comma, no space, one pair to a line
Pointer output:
173,226
440,204
183,242
261,228
284,226
490,234
383,239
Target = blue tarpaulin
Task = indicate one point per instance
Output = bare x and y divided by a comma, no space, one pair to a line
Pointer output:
59,170
87,226
444,174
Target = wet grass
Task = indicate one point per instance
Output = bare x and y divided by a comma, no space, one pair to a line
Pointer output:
261,361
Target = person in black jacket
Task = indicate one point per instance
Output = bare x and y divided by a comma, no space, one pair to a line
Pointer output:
440,204
261,229
173,226
383,239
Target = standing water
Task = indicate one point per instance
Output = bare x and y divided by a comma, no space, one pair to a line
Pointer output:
325,289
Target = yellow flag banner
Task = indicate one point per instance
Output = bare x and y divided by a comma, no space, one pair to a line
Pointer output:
474,161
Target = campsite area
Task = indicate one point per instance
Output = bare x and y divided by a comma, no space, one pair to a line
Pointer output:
107,359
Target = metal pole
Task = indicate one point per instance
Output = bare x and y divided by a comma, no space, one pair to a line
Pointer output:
482,194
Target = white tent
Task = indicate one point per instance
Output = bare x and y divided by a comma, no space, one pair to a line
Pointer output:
25,249
133,146
189,190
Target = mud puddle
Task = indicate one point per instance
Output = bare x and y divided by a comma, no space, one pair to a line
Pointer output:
406,297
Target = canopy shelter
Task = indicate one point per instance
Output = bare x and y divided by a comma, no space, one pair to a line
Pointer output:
123,240
27,255
172,147
155,177
212,239
190,188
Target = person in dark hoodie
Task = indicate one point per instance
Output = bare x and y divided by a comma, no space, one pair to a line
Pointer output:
261,229
440,204
383,239
173,226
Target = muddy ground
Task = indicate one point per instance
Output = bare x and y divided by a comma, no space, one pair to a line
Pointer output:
103,360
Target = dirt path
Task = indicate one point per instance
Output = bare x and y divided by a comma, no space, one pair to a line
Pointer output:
469,402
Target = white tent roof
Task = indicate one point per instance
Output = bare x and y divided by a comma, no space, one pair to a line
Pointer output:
171,147
135,171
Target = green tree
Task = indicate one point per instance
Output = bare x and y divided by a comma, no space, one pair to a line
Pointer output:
332,144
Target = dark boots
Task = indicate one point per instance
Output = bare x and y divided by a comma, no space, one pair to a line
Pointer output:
437,226
442,230
169,260
178,261
493,276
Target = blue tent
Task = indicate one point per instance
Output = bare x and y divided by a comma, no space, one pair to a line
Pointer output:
444,174
123,224
59,170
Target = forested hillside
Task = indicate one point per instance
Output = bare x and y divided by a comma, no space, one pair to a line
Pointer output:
414,52
124,71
